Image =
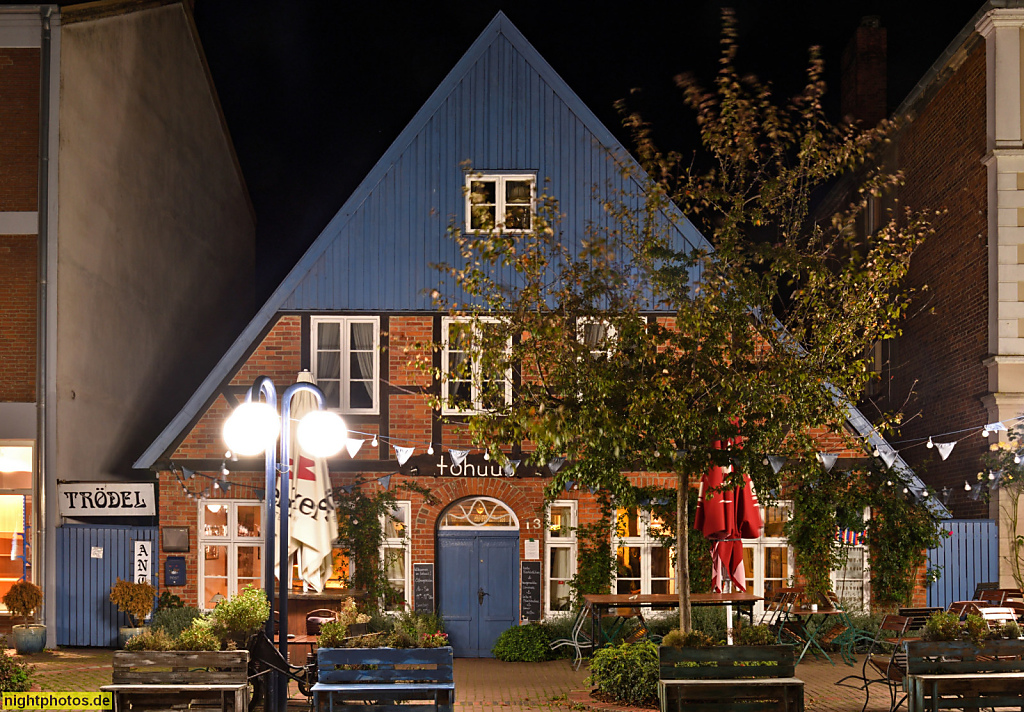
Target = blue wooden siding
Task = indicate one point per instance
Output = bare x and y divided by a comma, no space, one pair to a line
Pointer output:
506,111
969,557
85,615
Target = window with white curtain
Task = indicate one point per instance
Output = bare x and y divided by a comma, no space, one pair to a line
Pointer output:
768,560
560,555
395,552
502,202
346,361
468,387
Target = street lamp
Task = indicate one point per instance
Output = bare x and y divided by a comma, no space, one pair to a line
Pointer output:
255,426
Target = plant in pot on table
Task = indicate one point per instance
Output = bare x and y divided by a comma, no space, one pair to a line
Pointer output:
23,598
135,600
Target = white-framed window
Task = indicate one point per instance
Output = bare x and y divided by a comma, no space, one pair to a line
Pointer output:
346,361
500,201
852,581
230,548
467,387
396,551
642,564
560,555
598,335
768,560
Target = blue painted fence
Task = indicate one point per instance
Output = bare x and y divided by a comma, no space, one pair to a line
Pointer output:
85,615
967,558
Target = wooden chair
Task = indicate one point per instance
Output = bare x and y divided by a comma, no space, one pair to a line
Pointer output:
962,609
984,586
918,617
885,663
992,595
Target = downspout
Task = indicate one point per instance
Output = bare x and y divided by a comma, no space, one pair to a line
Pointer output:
40,490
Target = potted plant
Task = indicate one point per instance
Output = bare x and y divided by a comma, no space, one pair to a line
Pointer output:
23,598
136,600
235,619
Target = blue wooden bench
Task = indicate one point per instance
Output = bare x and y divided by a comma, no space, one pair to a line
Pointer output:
379,679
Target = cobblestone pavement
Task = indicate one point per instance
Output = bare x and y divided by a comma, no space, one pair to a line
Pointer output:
482,685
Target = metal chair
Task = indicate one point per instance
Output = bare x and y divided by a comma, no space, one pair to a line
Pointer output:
886,661
577,639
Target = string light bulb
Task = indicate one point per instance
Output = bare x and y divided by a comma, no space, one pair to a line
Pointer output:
430,449
487,454
991,475
967,486
1016,459
930,444
373,443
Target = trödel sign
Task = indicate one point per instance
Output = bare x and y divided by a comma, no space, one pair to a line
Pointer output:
106,499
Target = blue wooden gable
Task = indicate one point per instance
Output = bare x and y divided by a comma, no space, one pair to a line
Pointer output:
502,108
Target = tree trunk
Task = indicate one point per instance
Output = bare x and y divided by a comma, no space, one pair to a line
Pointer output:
683,550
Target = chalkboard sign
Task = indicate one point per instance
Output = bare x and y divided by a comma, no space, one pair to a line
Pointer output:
423,588
529,597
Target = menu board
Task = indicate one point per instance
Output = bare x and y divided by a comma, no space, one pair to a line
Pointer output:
529,596
423,588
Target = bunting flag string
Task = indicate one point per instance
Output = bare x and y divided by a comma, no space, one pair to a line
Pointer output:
776,462
402,454
458,456
353,445
555,464
827,460
385,481
944,449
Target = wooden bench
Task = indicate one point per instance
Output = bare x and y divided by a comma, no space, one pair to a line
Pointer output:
383,678
942,675
180,680
752,678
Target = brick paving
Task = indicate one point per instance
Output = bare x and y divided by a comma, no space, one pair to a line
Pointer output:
482,685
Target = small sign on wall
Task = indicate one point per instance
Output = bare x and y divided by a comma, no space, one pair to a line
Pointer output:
96,552
143,562
106,499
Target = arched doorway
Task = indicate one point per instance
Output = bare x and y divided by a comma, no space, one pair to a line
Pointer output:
478,577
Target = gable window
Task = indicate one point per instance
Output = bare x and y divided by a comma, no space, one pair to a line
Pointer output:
231,543
560,554
643,564
597,335
500,202
346,362
468,387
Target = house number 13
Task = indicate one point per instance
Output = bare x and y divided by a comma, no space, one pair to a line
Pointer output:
533,523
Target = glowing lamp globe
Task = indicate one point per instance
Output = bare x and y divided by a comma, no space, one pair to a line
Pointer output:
322,433
252,428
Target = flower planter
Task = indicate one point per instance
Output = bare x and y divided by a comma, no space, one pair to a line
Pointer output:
127,632
726,661
29,638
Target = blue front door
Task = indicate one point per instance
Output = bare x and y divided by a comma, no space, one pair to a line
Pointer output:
477,584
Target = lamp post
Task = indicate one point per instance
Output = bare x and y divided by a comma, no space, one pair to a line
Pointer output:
254,427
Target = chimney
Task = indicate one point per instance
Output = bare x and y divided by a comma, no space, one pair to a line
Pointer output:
863,86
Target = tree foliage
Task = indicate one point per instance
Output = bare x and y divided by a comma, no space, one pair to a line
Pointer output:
633,349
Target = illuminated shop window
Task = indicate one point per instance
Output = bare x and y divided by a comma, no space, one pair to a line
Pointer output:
231,548
643,564
16,513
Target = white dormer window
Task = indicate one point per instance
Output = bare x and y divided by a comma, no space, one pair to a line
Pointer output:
500,202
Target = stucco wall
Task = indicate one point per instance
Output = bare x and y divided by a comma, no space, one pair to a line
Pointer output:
155,258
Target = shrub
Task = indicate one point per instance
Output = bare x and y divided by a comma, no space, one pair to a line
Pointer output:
174,620
332,635
977,629
198,636
627,673
23,598
241,615
168,600
693,639
754,635
135,599
15,675
1011,630
522,644
942,626
151,639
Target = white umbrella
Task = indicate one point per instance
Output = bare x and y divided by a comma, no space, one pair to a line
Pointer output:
312,519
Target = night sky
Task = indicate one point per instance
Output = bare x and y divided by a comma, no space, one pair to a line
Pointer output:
314,91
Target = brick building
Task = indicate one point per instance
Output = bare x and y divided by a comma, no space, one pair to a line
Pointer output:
352,312
960,363
110,244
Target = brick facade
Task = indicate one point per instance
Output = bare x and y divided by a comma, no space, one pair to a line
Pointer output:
17,318
410,422
936,372
19,140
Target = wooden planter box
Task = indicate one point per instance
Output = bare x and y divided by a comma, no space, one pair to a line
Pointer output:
943,674
747,677
389,676
149,678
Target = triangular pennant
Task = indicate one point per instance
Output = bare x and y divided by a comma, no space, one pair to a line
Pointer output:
458,456
994,428
944,449
975,492
187,473
777,462
593,490
888,456
510,466
569,484
353,445
555,464
645,502
403,454
347,489
385,481
827,460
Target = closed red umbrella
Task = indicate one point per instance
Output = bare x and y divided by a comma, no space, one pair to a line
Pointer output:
724,518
